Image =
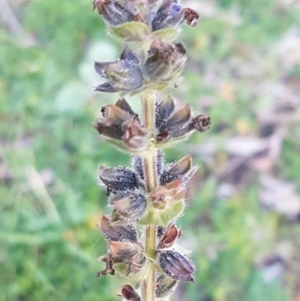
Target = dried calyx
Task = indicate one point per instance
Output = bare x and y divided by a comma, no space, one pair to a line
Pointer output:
121,126
148,198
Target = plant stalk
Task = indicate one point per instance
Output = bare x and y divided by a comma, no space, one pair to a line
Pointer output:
150,172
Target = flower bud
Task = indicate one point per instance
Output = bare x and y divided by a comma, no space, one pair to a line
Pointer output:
123,75
118,179
164,285
117,232
129,293
176,266
130,206
182,170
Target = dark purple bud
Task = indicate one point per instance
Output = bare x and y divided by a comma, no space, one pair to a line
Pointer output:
176,266
118,179
169,238
117,232
163,111
164,285
131,207
182,170
129,293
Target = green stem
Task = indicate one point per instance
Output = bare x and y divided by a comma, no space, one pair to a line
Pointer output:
149,163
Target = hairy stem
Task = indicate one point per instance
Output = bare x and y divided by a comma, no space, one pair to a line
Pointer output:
149,163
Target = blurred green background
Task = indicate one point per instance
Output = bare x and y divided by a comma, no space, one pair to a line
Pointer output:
242,218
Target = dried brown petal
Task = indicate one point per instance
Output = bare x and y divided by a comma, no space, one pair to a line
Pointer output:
191,17
123,251
176,266
123,105
109,265
129,293
135,136
172,192
165,61
117,232
169,238
107,129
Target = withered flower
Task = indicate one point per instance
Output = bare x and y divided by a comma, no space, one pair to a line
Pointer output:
129,293
123,75
172,14
165,62
130,254
122,126
164,195
169,14
130,206
176,266
117,232
177,125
